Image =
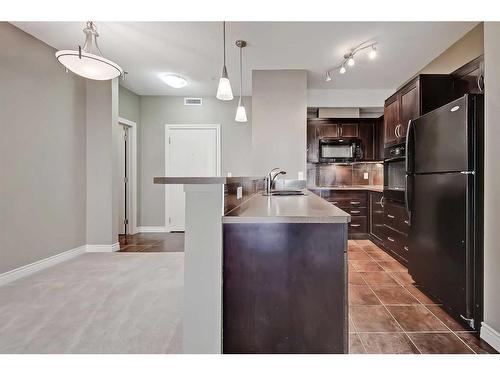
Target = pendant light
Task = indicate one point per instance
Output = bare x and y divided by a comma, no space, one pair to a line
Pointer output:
224,91
241,114
88,61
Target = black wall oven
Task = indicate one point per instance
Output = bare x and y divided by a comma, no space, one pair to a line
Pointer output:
395,173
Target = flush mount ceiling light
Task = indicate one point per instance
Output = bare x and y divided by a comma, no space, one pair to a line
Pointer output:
88,61
241,114
174,80
224,91
349,58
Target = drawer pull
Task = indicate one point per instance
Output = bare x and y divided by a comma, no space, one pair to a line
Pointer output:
406,248
390,239
355,202
355,211
391,216
407,222
355,225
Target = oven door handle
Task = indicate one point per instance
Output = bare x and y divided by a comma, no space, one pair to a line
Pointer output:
394,159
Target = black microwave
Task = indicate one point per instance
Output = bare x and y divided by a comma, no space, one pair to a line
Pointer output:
339,150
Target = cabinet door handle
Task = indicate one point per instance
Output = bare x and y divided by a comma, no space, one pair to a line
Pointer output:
355,211
335,203
382,202
391,216
340,130
390,239
405,247
355,225
407,222
355,203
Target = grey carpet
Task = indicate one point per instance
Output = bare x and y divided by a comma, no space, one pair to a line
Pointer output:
96,303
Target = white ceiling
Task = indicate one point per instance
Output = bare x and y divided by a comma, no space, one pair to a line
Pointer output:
194,50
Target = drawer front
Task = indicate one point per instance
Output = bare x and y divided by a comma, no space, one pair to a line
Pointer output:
356,211
396,242
344,194
396,217
357,225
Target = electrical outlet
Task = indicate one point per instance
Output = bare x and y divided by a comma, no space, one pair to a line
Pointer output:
301,175
365,175
229,174
239,192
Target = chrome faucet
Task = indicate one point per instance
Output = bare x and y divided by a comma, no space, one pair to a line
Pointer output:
270,179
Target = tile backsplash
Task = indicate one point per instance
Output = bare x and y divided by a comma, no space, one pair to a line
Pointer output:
328,175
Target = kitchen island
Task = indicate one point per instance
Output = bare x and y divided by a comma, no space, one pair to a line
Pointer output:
284,276
263,274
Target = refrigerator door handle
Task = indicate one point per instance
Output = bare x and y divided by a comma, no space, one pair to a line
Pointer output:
407,145
407,198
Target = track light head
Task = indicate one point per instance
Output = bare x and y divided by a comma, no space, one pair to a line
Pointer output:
328,77
373,53
342,69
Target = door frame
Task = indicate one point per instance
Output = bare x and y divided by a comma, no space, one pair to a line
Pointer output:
132,182
168,128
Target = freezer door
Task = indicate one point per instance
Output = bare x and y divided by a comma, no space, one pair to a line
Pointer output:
440,254
439,140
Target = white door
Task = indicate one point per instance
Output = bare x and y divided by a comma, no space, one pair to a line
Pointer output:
191,151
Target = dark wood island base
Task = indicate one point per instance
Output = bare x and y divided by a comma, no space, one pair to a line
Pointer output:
284,288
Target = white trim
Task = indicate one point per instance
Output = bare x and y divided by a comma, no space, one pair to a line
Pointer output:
133,173
103,248
151,229
31,268
168,127
491,336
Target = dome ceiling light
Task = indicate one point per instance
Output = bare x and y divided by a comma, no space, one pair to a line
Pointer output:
174,80
349,61
88,61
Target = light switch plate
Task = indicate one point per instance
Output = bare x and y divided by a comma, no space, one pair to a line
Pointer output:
365,175
239,192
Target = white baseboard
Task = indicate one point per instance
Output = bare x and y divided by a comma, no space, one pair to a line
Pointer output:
103,248
491,336
151,229
28,269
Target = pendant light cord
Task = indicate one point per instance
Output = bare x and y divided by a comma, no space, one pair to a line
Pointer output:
224,39
241,73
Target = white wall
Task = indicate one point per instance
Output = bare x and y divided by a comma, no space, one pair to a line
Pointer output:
102,171
492,184
155,112
348,98
279,111
42,152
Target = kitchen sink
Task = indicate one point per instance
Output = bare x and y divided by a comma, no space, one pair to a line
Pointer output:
287,192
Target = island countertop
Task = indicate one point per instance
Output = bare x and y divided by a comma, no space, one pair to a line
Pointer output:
308,208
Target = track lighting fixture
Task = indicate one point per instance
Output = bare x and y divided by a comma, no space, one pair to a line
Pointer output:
349,59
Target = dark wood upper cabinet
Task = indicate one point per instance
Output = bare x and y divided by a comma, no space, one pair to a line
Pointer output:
409,101
367,135
422,94
348,130
391,119
470,77
368,130
328,130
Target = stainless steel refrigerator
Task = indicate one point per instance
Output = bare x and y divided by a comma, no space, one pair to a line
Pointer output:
444,199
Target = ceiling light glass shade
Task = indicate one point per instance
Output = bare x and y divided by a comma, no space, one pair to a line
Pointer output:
373,53
351,61
224,91
89,65
241,113
88,61
342,69
174,80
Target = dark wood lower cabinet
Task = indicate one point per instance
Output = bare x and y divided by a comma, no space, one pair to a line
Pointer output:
396,225
284,288
354,202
